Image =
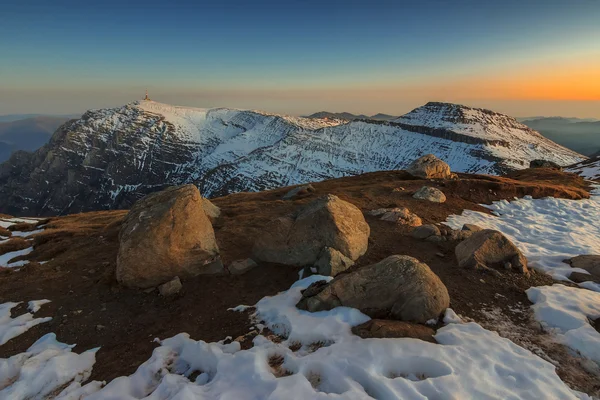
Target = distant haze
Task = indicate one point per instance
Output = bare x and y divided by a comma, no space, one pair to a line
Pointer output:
516,57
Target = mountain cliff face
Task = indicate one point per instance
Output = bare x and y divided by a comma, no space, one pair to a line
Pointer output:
110,158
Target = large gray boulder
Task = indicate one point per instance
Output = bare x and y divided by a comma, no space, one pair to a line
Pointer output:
164,235
430,194
488,249
398,287
429,167
300,238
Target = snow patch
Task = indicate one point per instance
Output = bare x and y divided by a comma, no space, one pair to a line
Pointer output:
547,230
13,327
566,311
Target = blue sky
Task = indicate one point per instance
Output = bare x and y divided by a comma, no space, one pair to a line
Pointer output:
298,56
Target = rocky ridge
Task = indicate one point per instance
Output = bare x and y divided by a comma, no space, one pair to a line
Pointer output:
110,158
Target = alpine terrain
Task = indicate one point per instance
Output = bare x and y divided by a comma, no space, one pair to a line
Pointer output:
109,158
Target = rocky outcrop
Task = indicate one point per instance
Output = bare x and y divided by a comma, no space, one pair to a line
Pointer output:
164,235
544,164
430,194
489,249
398,287
299,239
429,167
399,215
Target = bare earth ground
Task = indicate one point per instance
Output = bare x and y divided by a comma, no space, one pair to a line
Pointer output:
91,310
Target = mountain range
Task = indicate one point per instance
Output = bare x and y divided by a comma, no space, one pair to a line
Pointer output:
581,135
28,133
351,117
109,158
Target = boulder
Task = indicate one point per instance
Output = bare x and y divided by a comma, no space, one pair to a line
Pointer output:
399,215
331,262
239,267
298,239
489,248
302,190
544,164
425,231
212,212
430,194
429,167
164,235
455,234
398,287
589,263
385,328
170,288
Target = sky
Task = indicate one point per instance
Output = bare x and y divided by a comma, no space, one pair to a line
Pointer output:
523,58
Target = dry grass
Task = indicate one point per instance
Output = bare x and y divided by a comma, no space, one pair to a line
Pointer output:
14,244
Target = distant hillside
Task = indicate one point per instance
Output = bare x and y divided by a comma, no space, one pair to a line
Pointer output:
351,117
27,134
582,136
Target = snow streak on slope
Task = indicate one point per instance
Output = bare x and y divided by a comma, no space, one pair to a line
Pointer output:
588,169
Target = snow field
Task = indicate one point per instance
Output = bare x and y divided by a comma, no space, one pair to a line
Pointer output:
566,312
547,230
469,362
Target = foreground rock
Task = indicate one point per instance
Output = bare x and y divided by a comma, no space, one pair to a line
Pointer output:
239,267
589,263
487,249
166,234
398,287
430,194
399,215
170,288
384,328
425,231
299,239
429,167
331,262
212,212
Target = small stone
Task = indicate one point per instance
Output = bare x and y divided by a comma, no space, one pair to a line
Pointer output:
425,231
440,254
170,288
430,194
100,327
239,267
508,265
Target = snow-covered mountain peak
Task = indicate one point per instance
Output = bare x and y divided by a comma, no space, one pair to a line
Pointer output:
109,158
476,122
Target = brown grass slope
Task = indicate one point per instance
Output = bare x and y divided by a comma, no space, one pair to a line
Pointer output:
90,309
